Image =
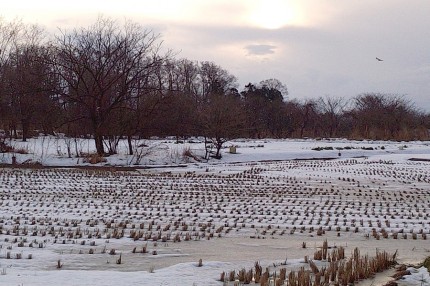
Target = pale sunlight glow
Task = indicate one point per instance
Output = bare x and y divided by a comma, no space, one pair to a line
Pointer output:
267,14
275,14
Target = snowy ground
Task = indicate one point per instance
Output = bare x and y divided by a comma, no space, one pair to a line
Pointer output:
257,205
52,151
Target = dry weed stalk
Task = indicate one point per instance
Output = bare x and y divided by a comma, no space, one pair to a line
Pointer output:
258,272
59,264
119,260
340,271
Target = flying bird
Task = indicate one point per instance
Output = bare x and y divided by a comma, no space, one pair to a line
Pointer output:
379,60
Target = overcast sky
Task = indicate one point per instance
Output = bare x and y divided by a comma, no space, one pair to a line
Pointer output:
315,47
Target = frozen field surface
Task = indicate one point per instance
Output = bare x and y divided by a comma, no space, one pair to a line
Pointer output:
68,226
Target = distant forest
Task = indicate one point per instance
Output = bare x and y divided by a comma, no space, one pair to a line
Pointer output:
111,81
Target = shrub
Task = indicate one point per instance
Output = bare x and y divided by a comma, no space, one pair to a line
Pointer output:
20,150
188,154
5,148
426,263
322,148
94,159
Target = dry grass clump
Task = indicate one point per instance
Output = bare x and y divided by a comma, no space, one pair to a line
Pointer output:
339,270
4,147
94,158
426,263
188,154
399,274
20,150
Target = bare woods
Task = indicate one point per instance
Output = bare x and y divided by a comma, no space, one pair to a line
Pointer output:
116,80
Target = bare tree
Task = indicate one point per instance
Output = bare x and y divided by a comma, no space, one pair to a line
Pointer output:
104,66
383,116
215,80
275,84
27,81
9,38
10,33
188,73
293,118
221,120
331,109
308,118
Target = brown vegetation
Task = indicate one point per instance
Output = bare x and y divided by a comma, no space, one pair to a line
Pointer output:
341,271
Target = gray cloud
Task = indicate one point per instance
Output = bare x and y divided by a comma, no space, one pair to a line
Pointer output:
260,50
222,34
330,55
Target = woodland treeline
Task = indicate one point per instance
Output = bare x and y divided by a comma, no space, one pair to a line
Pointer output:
111,81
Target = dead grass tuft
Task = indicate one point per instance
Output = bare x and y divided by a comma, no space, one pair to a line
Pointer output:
94,158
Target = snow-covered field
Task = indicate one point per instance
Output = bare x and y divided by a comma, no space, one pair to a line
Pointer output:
260,204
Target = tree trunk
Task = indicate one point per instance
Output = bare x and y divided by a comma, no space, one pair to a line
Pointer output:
302,130
218,145
218,152
98,139
25,128
12,131
78,153
130,145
